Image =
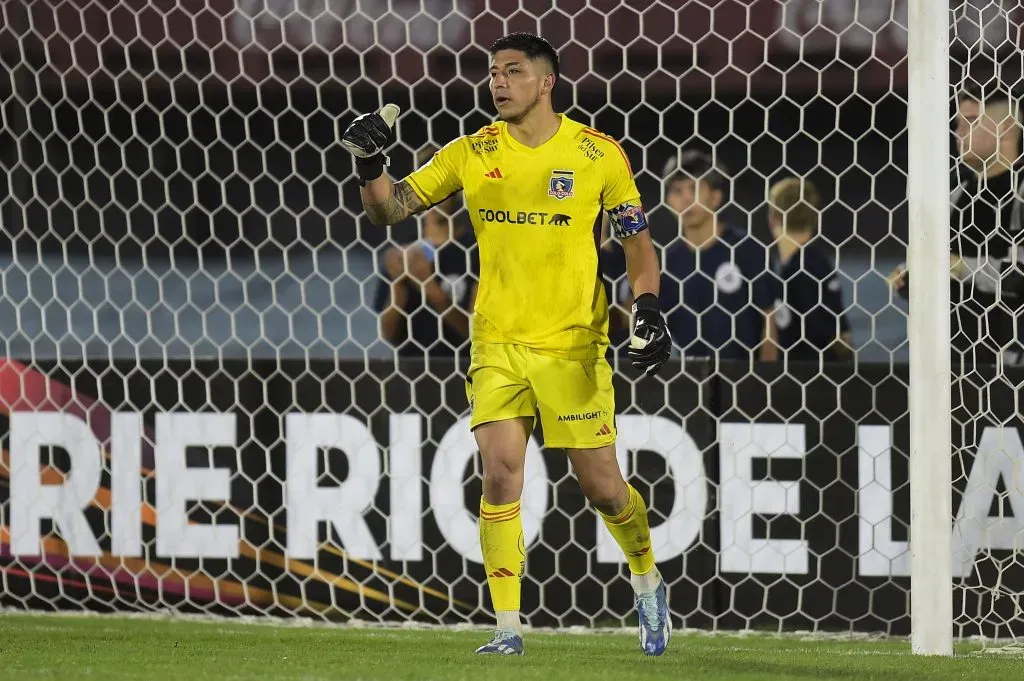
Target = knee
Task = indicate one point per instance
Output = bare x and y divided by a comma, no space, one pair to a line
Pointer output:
503,452
503,479
502,470
609,498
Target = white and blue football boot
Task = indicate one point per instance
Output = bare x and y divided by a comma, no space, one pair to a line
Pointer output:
505,642
655,623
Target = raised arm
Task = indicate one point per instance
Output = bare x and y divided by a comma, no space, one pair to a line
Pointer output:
387,202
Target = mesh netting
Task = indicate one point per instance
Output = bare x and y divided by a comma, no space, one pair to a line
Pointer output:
204,411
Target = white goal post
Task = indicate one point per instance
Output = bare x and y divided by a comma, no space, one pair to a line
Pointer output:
213,401
928,330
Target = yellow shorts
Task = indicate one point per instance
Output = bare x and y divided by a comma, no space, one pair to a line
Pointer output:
575,398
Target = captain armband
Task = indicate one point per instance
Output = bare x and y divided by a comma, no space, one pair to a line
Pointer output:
627,219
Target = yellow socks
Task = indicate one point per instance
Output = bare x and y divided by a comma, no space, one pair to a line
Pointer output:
633,534
504,550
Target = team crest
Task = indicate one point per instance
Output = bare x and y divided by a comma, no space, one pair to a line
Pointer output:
561,183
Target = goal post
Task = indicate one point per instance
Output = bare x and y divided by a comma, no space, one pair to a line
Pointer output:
928,329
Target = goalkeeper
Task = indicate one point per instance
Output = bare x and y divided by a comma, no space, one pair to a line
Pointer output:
535,183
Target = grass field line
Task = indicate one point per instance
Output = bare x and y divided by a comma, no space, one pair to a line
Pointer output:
306,622
167,645
231,625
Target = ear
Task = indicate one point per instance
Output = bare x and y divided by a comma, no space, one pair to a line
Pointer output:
548,83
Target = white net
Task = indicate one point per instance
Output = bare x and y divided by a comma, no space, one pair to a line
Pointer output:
202,411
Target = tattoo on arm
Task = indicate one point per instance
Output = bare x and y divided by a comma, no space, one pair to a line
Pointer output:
401,203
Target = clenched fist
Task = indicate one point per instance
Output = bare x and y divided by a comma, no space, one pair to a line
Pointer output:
367,137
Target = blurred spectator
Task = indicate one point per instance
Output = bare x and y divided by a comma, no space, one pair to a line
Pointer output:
985,224
428,297
716,284
809,312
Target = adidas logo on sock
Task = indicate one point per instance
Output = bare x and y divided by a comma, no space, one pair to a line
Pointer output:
502,572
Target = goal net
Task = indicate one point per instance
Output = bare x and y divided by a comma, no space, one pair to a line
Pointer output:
202,411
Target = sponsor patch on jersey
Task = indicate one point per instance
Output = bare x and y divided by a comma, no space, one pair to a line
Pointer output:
561,183
583,416
485,146
513,217
590,149
627,220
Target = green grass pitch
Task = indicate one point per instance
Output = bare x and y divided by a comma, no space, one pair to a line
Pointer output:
116,649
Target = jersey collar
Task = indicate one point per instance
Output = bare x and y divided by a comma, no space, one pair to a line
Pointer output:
520,147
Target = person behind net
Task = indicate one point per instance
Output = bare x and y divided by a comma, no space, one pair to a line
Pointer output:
987,291
717,286
809,312
535,183
426,303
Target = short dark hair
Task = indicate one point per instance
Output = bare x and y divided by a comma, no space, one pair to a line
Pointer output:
533,46
693,164
989,92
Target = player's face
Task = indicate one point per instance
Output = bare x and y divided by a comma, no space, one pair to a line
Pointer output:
694,202
978,131
517,84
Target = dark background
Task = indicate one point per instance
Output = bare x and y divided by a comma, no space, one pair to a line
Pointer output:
131,141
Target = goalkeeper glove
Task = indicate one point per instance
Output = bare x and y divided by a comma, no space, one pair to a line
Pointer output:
649,344
367,137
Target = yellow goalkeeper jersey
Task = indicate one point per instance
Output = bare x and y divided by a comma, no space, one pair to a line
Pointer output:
536,213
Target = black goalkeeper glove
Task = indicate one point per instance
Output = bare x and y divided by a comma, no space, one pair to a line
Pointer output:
650,344
367,137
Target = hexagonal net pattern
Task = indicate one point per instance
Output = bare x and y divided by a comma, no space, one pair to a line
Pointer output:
227,392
